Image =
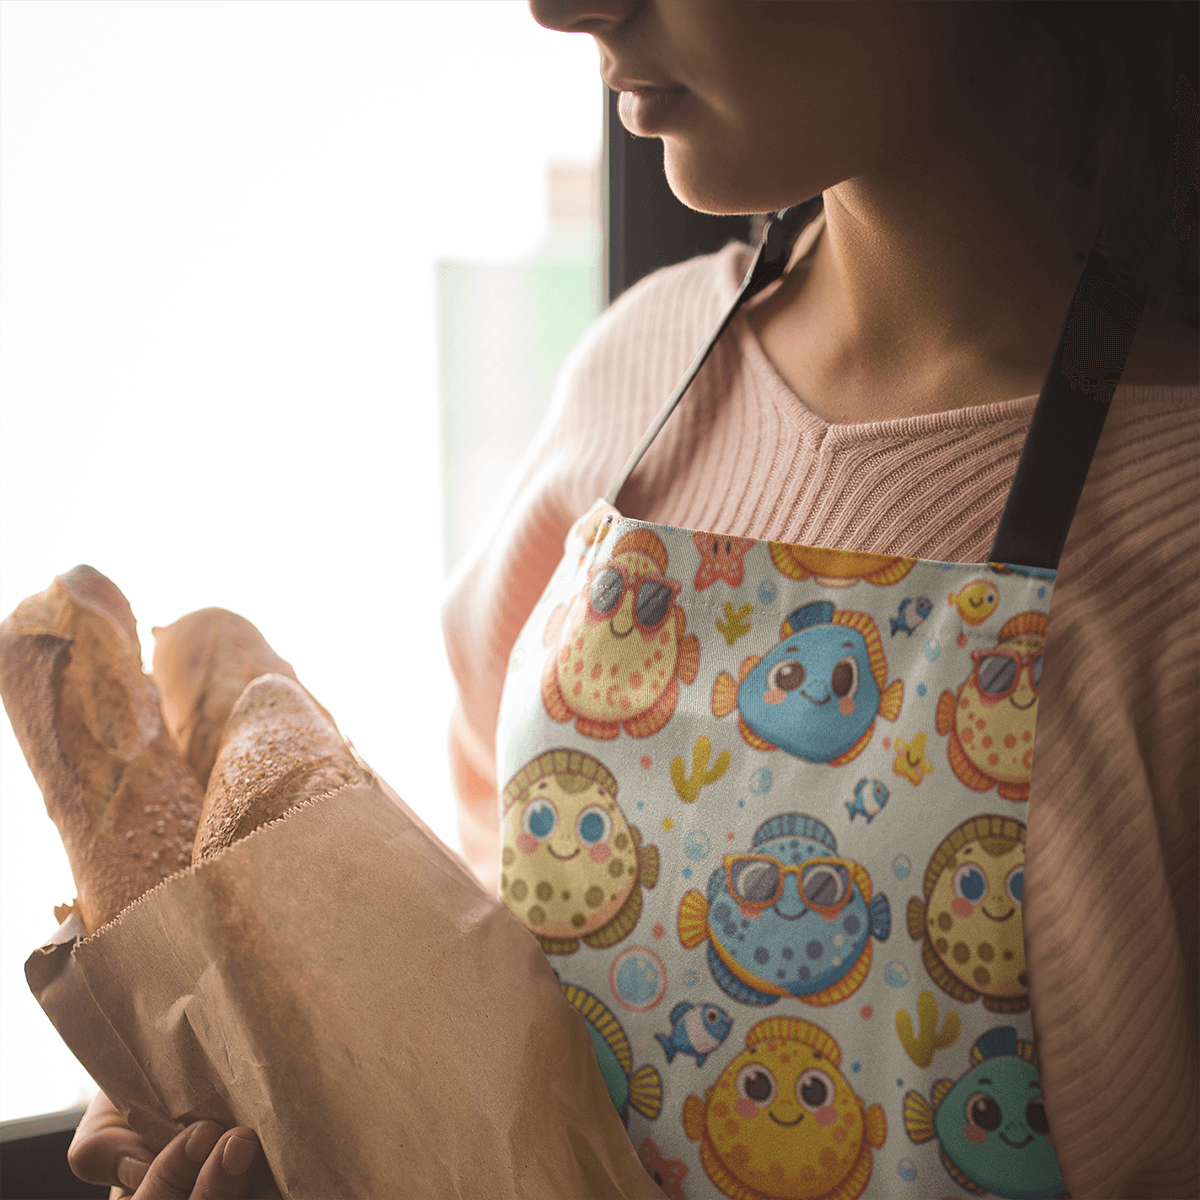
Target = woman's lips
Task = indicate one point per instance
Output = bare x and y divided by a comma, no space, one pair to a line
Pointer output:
647,112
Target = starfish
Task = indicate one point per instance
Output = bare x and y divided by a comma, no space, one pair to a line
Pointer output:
720,558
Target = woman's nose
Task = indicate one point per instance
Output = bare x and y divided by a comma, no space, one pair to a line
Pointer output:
582,16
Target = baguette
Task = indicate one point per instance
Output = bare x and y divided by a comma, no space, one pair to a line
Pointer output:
280,748
88,721
202,664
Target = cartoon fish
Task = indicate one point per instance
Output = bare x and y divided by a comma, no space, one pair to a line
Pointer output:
910,761
976,601
818,692
640,1090
572,867
790,918
867,804
991,719
906,622
969,922
839,568
783,1121
619,650
991,1123
695,1031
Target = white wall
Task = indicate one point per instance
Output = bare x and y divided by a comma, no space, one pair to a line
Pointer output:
218,370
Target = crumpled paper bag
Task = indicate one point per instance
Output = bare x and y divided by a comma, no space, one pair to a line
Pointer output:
340,982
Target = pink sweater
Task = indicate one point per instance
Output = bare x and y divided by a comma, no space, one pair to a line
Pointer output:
1112,903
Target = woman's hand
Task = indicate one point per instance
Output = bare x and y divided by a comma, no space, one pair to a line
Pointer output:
202,1161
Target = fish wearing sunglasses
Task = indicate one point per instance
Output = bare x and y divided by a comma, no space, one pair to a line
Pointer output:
997,672
653,594
755,881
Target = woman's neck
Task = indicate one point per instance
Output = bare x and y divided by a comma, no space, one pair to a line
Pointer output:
942,279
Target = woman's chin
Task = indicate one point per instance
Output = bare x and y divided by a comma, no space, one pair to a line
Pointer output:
711,182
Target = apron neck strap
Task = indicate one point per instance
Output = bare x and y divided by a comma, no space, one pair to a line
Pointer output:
1092,350
769,264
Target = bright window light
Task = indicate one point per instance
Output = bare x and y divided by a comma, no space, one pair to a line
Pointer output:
222,225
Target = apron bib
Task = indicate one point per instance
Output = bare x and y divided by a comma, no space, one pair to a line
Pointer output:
764,807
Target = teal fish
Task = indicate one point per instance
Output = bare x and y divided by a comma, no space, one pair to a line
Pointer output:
991,1124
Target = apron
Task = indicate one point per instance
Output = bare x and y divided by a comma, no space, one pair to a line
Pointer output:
764,808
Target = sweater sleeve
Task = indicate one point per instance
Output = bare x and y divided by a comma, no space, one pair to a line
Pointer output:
607,392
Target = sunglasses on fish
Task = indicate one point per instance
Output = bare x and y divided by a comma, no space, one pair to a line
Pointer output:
755,881
997,672
654,594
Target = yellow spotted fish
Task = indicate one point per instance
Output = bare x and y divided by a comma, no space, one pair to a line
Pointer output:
783,1121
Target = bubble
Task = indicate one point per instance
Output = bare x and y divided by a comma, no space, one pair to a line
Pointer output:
906,1169
901,866
766,592
760,781
921,689
690,979
697,845
687,872
638,978
1041,593
932,649
896,974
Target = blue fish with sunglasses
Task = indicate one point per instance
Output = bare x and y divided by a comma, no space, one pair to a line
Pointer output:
789,918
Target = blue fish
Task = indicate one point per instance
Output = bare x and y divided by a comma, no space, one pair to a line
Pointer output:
797,922
907,622
816,694
871,803
696,1031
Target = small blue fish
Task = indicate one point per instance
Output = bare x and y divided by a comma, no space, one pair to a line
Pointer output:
696,1031
867,804
907,622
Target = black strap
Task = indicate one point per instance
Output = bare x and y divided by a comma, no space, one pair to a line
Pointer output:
770,262
1092,350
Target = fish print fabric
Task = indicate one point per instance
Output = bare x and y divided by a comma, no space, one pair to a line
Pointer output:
764,809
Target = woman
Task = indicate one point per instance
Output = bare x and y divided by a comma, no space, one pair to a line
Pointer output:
877,399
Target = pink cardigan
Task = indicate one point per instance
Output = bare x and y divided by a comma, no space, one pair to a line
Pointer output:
1112,904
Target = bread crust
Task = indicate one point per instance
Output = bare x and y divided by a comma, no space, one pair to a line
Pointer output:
88,721
280,749
202,664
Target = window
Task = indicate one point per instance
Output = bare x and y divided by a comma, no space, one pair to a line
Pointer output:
220,369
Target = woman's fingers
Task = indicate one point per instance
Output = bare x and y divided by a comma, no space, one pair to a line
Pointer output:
202,1162
104,1148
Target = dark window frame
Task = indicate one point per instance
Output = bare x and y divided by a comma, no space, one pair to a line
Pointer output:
644,226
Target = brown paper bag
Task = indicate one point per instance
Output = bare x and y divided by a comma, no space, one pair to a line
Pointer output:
340,982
